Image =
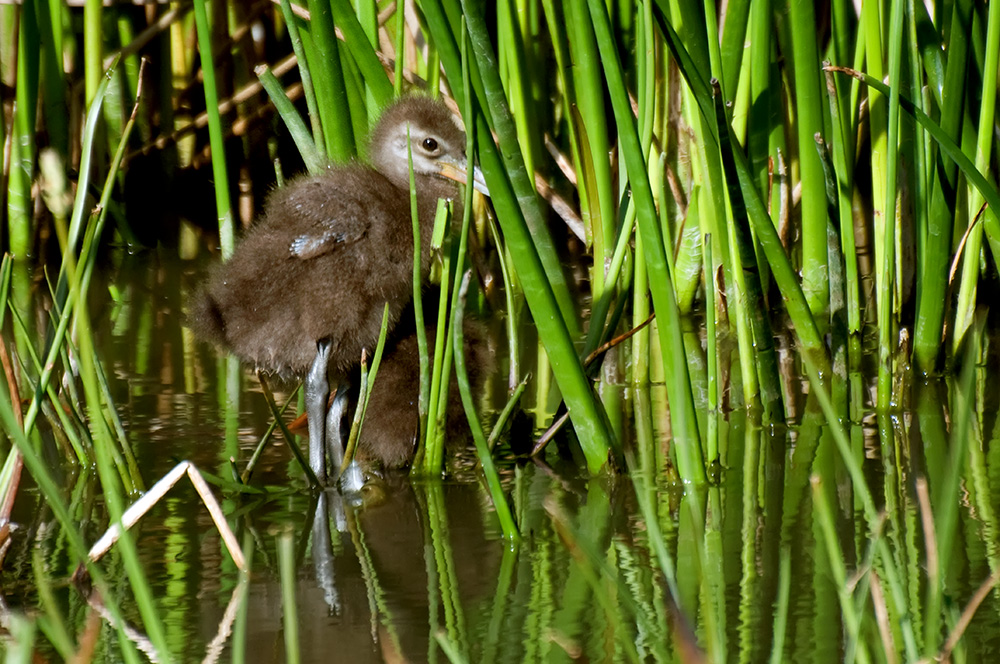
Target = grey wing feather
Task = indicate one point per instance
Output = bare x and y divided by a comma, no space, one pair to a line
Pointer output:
329,218
311,245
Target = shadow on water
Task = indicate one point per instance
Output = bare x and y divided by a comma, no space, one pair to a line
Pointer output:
418,565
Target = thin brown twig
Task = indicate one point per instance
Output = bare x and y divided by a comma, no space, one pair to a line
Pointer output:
970,610
930,536
882,618
605,347
961,245
550,433
854,73
138,88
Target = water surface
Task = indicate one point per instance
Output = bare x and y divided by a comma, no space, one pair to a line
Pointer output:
381,581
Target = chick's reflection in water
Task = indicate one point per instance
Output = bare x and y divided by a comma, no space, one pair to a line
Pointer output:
423,549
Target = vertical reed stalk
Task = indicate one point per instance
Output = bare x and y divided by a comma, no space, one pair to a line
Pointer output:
888,311
289,605
93,48
809,123
224,210
544,286
684,422
984,147
507,523
932,263
323,49
20,209
363,58
306,77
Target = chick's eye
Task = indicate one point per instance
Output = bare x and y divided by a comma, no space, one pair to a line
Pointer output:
430,145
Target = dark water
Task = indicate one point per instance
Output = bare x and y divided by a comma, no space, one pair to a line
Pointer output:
380,581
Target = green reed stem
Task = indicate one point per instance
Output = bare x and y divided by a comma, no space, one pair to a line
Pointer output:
781,610
368,19
984,145
22,144
423,401
307,88
948,500
511,317
220,173
640,311
367,384
451,264
93,48
507,524
734,42
835,558
711,350
861,490
289,605
544,286
506,413
521,180
932,261
323,49
311,150
684,422
842,154
888,310
762,94
9,25
766,233
809,122
397,77
55,88
363,52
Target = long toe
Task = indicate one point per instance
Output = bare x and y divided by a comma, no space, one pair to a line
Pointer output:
335,418
352,481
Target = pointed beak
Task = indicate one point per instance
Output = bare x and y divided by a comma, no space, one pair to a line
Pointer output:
458,171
